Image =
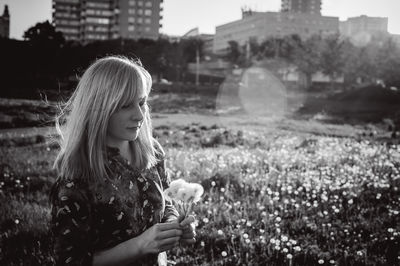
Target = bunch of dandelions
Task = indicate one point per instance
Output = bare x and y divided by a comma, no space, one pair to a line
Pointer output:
184,195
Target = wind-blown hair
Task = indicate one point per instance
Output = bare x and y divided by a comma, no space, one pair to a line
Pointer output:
106,86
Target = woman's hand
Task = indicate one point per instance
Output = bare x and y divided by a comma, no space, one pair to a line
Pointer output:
160,237
189,232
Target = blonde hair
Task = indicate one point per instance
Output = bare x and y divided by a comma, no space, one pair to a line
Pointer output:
107,85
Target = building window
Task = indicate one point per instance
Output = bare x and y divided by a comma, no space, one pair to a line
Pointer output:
140,20
131,28
132,2
148,4
147,20
147,12
98,5
131,11
147,29
140,11
140,3
98,20
131,20
98,12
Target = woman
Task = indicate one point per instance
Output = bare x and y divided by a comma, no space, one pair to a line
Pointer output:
107,203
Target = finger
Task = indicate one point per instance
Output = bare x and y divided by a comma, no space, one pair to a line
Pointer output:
169,233
188,235
188,227
188,241
168,247
181,218
169,241
168,226
190,219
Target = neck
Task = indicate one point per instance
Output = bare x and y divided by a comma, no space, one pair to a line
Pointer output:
123,146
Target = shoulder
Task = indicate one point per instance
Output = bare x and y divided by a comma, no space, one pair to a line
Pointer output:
69,189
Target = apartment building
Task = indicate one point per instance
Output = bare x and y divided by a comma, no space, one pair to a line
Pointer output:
93,20
259,26
363,23
301,6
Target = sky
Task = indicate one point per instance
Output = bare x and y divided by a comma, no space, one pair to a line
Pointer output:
179,16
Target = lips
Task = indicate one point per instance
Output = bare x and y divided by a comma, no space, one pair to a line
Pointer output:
134,127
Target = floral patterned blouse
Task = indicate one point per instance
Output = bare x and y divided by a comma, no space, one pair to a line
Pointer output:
88,219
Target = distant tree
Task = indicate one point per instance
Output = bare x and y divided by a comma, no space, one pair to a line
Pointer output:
176,63
332,61
191,47
44,32
280,47
307,58
234,52
359,63
388,62
268,48
254,47
287,46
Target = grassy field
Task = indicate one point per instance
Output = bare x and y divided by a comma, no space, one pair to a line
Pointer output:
277,192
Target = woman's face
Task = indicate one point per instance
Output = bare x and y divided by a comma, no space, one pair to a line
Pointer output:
125,123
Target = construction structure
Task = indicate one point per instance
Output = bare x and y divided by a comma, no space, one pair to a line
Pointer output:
5,23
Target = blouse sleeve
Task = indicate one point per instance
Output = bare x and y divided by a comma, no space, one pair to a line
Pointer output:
170,212
71,225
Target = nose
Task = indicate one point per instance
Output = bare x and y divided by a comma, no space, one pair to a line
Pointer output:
137,114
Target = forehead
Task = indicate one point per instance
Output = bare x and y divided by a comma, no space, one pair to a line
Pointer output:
134,90
140,92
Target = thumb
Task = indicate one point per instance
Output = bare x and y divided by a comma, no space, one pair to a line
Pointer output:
181,218
190,219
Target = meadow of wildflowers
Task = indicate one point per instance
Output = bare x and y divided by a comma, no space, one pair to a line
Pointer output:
293,200
269,199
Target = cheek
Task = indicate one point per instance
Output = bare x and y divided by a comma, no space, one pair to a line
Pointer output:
115,123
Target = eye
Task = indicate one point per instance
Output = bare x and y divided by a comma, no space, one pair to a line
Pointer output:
142,103
126,106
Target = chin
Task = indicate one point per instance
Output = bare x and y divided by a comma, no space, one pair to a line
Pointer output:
134,137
